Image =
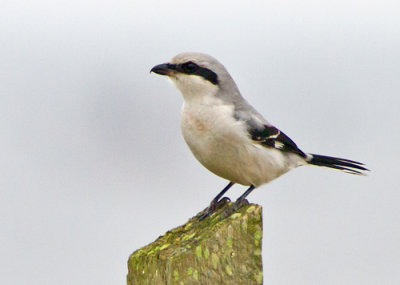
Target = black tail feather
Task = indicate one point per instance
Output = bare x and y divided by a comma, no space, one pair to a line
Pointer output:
346,165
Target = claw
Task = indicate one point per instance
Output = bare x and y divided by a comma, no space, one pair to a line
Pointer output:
213,207
239,204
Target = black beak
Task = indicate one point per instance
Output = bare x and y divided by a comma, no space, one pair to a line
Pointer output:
162,69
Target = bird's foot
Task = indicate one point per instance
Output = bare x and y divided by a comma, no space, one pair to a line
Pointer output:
214,205
239,203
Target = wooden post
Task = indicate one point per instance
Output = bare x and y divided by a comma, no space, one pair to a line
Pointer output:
224,248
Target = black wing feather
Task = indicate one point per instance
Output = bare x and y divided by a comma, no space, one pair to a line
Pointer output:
273,137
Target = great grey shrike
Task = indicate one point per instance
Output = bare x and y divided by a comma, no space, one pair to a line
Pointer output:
227,135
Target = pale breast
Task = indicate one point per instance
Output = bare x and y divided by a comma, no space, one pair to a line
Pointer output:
215,138
207,127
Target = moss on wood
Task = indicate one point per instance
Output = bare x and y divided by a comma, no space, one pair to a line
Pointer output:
224,248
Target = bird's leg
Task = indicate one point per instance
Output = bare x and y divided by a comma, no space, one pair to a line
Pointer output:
214,203
242,199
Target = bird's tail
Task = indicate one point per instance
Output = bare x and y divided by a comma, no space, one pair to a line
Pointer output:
346,165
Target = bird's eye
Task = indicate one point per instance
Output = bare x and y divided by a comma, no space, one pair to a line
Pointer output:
189,67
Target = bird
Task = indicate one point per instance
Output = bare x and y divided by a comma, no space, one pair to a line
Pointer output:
228,136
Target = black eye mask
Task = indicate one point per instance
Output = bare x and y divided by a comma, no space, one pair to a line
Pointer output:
192,68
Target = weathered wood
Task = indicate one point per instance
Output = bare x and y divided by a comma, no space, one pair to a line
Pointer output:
224,248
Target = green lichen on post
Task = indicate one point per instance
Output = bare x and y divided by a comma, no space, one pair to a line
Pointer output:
224,248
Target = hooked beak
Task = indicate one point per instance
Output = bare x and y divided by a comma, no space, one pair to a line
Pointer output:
163,69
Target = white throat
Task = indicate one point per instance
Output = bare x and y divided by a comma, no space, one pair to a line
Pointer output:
193,87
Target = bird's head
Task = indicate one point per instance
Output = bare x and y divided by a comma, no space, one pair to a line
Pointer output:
195,74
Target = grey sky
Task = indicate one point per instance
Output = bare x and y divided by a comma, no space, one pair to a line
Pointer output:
93,165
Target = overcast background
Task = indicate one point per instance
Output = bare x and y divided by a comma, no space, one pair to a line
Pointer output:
93,165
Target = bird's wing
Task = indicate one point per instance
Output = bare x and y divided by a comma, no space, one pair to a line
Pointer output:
270,136
262,132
